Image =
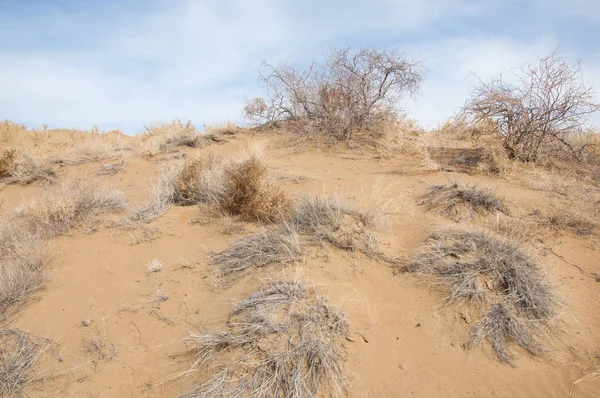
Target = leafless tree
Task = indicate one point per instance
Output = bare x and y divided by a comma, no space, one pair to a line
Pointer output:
352,91
544,115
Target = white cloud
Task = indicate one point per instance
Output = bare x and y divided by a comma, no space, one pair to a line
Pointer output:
198,59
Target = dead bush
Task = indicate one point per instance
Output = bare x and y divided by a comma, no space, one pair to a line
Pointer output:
23,267
541,117
72,203
503,283
168,137
277,246
89,152
28,170
19,352
249,193
198,180
460,202
7,163
577,214
350,93
330,220
284,340
110,169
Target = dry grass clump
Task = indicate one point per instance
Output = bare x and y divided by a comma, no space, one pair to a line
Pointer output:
329,219
277,246
240,188
72,203
198,180
249,193
161,199
405,136
168,137
22,267
154,265
228,128
577,214
19,352
505,284
7,163
28,170
110,169
23,171
284,340
460,202
90,151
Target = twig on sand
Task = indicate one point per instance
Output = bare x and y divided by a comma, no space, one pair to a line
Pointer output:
583,271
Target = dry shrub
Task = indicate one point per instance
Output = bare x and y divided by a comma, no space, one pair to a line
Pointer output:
538,118
198,180
19,352
404,136
237,187
72,203
228,128
110,169
474,146
284,340
278,246
10,132
168,137
22,267
460,202
503,283
90,151
579,214
28,170
7,163
249,193
331,220
352,93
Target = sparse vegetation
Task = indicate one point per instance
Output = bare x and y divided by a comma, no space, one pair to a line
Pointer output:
503,283
250,194
19,352
72,203
168,137
110,169
283,340
460,202
7,163
89,152
198,180
23,267
329,219
237,187
579,214
351,93
276,246
154,265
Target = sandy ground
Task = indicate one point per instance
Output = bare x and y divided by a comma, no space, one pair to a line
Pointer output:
408,343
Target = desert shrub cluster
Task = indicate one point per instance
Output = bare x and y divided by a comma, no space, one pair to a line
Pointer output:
279,246
72,203
239,187
545,115
461,202
350,93
283,340
24,266
501,281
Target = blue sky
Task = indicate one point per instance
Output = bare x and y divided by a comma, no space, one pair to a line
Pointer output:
123,64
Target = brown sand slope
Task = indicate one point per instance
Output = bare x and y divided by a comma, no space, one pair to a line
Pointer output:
405,342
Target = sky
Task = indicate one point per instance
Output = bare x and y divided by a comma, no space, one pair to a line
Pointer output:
129,63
